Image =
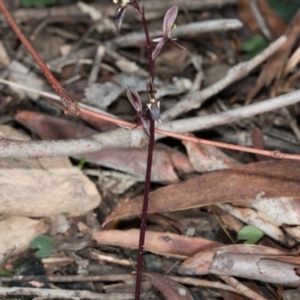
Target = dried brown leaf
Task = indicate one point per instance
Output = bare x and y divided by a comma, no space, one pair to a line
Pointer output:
166,243
247,261
264,179
50,127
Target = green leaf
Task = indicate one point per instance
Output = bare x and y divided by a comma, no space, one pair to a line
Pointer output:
285,9
44,244
81,163
38,3
6,273
253,46
250,234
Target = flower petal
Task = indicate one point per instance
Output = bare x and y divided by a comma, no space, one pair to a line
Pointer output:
119,17
154,107
145,125
177,45
169,20
158,48
134,98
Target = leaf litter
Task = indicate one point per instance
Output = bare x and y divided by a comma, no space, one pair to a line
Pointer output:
262,194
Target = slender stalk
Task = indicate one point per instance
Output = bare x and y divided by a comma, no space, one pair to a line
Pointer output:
144,211
143,226
70,103
149,48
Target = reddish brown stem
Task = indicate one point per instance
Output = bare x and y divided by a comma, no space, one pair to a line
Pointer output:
139,267
69,103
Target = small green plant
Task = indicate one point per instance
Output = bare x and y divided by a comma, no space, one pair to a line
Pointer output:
81,164
253,46
44,244
250,234
38,3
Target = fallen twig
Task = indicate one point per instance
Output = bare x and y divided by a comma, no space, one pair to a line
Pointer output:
61,294
181,31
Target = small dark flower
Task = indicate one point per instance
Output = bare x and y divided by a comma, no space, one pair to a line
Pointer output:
136,102
154,107
168,25
122,9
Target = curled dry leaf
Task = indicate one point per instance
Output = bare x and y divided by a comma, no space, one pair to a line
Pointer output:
50,127
263,180
247,261
169,244
208,158
170,289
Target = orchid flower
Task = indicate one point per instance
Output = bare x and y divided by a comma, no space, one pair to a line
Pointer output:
168,25
122,9
136,102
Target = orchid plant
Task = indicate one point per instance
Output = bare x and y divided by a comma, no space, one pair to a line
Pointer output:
153,104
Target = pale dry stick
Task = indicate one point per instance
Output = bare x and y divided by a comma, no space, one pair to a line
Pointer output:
292,122
96,65
203,122
191,29
292,62
260,19
61,294
95,255
195,100
203,283
133,138
120,278
72,278
241,289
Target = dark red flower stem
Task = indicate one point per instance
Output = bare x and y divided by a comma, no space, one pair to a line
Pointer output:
151,91
144,211
150,57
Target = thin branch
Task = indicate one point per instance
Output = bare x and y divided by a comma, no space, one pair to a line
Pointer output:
69,103
61,294
191,29
241,288
260,19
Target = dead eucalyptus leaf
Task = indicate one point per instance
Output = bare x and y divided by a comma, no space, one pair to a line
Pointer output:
247,261
260,180
166,243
